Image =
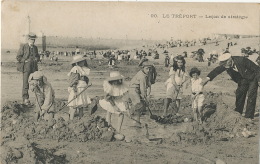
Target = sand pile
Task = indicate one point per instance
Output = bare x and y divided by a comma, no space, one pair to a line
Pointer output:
87,128
222,124
22,151
12,109
19,130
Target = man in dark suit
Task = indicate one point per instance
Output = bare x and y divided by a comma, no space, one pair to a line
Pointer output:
27,58
246,74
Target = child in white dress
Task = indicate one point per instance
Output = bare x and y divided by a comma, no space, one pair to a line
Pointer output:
174,84
115,100
197,94
78,81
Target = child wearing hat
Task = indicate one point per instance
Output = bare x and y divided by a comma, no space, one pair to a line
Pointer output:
78,81
138,91
152,74
115,100
44,95
197,94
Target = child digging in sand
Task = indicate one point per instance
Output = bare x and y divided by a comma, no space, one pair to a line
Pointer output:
44,95
115,100
197,94
78,81
138,92
174,84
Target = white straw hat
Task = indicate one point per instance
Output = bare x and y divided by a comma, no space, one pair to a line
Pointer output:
224,57
78,58
115,75
37,75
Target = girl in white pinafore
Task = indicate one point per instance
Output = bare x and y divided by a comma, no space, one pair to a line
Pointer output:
197,94
115,100
78,81
174,84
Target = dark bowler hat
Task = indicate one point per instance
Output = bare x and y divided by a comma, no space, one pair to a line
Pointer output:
194,70
31,35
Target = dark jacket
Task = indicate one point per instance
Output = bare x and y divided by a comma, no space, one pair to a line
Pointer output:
246,70
27,58
152,75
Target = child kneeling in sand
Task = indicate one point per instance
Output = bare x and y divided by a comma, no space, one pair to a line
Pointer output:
197,94
115,100
44,94
78,82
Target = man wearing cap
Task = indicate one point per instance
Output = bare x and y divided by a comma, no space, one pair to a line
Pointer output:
27,58
138,90
246,74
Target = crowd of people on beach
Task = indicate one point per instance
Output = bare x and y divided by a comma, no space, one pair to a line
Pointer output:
186,43
131,100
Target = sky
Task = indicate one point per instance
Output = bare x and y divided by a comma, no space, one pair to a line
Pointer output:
125,20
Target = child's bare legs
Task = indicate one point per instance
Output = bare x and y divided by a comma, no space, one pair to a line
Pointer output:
120,122
135,112
136,118
178,103
81,112
200,114
195,114
108,118
167,102
72,113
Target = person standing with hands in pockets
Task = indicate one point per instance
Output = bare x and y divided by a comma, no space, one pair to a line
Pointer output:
28,59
